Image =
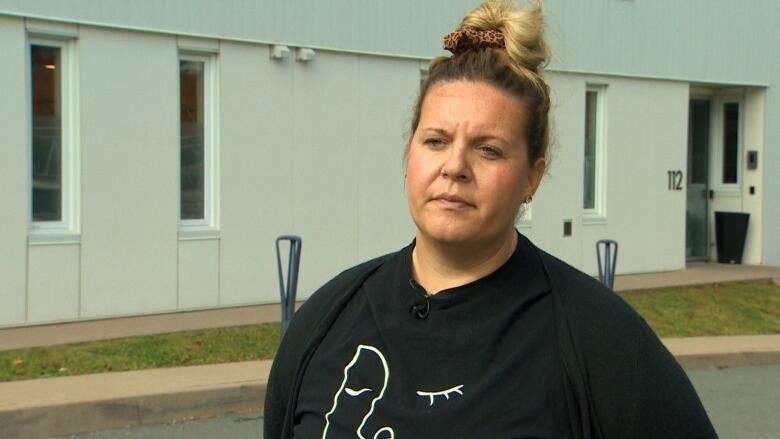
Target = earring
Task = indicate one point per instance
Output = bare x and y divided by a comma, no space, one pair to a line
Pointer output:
528,199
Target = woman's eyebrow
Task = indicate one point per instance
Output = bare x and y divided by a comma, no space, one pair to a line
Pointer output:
489,138
434,130
480,138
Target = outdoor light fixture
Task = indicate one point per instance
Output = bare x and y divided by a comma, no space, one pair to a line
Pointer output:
280,52
305,54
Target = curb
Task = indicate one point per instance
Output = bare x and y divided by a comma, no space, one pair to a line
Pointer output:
725,351
727,360
68,419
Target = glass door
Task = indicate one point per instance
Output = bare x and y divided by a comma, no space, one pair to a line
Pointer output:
696,242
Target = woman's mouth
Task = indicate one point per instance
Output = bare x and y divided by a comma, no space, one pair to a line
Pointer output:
451,201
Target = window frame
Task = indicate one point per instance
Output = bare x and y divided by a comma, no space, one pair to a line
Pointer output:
208,227
67,229
598,213
717,155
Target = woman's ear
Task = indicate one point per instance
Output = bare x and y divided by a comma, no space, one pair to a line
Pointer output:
536,174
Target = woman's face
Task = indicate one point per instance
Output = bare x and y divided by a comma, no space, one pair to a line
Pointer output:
467,164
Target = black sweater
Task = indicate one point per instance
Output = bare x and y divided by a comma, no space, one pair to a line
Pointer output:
622,382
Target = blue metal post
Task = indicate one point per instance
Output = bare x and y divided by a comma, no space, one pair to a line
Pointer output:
288,291
607,272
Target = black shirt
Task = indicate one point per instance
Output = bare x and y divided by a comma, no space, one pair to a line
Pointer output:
476,360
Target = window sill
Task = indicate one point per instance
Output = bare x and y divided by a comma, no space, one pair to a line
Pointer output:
593,219
196,234
38,237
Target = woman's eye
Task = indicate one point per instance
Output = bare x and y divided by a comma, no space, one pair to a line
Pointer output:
434,143
490,151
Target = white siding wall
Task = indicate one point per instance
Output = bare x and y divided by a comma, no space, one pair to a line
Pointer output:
325,171
53,283
674,39
754,139
14,165
770,190
198,274
384,224
315,149
666,39
256,158
647,132
399,27
646,219
559,197
130,156
661,38
311,149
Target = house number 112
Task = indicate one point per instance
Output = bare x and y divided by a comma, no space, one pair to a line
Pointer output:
674,179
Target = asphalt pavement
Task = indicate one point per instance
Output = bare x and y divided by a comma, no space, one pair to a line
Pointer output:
742,403
242,426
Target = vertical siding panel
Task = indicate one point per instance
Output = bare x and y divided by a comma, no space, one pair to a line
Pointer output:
198,272
257,145
771,166
53,284
130,160
384,221
662,38
326,166
14,174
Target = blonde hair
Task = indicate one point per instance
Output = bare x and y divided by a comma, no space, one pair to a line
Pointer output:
515,69
523,31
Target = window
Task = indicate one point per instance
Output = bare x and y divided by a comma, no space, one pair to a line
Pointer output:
53,155
730,142
197,144
594,154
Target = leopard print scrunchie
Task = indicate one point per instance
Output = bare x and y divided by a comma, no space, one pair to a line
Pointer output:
469,38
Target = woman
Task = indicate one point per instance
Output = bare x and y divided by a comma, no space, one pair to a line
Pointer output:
471,330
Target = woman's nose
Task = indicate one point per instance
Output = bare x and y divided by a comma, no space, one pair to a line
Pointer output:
457,165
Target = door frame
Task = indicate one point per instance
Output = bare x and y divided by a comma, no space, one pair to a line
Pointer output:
721,196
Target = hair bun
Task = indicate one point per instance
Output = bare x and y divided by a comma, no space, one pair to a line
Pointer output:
523,30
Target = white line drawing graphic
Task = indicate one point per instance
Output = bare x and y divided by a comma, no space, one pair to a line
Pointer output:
364,354
385,429
352,392
444,393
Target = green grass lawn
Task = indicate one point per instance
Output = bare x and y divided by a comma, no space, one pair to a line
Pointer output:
189,348
724,309
735,308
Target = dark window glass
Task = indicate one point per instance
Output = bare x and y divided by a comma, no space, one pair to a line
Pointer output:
589,196
698,142
730,142
46,89
192,139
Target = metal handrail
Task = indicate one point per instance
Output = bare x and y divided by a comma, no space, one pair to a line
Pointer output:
607,272
288,292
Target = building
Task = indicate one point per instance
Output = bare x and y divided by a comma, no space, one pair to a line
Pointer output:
153,150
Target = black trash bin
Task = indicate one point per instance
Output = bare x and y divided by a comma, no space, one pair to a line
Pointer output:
730,233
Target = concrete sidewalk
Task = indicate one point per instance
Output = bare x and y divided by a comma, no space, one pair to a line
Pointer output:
699,273
61,406
68,405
